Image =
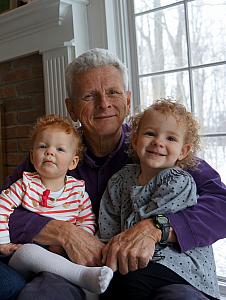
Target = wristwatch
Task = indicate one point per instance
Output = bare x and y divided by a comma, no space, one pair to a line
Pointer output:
163,223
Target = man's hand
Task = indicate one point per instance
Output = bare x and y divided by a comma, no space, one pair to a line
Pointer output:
133,248
9,248
81,247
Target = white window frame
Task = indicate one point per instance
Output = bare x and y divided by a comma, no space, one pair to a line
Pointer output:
122,40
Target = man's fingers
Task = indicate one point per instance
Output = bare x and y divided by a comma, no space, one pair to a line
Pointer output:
111,255
131,249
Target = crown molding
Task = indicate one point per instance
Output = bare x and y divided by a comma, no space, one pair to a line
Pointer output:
39,26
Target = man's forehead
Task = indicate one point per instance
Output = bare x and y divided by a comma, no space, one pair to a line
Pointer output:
108,75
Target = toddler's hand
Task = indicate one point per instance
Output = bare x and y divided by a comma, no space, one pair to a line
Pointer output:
9,248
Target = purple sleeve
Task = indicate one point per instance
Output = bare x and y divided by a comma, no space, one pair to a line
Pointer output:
205,222
23,224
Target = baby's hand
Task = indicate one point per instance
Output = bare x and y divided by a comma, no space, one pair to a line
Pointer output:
9,248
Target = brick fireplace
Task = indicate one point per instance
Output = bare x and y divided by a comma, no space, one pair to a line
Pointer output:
37,41
22,102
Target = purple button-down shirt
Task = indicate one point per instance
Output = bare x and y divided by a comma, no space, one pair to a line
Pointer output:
198,226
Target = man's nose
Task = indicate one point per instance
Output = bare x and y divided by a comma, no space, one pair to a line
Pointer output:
103,100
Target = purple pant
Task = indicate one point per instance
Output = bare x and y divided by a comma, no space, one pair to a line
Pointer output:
155,282
47,286
179,292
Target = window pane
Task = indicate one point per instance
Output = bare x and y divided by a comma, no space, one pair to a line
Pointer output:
220,257
173,85
161,42
143,5
209,98
214,152
207,45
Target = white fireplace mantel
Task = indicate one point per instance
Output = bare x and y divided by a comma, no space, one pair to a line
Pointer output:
55,28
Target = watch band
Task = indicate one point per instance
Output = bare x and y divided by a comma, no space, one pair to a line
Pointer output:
163,223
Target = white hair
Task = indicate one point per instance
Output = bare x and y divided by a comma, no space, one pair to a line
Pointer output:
94,58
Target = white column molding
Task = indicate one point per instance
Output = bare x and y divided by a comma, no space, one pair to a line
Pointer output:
121,40
58,29
54,64
97,24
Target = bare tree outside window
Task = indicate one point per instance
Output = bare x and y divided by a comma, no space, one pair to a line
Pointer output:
181,53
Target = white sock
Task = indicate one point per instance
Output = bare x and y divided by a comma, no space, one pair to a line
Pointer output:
33,258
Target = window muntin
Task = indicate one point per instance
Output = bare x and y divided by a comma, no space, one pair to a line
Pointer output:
189,53
209,90
145,5
161,43
207,31
165,85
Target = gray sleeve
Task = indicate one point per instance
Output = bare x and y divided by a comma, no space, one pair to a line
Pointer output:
109,213
175,190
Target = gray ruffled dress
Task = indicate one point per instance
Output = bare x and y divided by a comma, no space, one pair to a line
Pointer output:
124,203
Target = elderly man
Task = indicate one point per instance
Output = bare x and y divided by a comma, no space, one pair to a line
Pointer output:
98,97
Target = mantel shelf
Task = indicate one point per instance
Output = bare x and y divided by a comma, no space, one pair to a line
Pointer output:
39,26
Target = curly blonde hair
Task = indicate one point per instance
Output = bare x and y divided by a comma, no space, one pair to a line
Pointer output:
182,116
60,122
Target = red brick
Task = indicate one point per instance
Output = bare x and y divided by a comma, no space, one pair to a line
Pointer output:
5,67
8,171
24,145
22,88
38,101
10,118
25,117
11,145
7,92
37,71
19,131
18,104
30,60
14,159
29,87
17,75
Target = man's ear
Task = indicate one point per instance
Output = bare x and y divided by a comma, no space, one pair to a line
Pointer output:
74,163
128,94
70,109
184,151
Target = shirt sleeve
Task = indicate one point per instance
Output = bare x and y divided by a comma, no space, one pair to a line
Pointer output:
109,214
175,190
86,217
9,200
204,223
23,224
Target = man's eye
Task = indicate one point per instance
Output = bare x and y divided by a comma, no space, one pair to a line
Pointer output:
113,92
89,97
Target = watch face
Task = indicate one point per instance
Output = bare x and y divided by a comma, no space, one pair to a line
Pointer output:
162,220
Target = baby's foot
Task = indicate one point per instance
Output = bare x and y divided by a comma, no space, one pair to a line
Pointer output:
96,279
105,277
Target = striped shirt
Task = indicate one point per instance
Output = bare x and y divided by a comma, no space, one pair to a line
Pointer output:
72,205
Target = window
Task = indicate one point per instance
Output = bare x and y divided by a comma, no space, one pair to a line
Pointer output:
178,49
181,53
